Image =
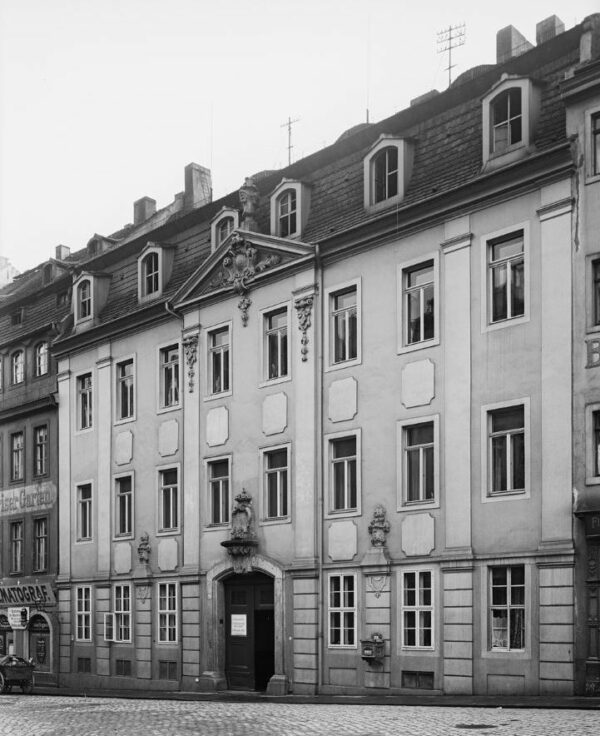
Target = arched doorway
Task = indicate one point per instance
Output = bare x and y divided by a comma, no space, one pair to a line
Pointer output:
6,635
249,631
39,643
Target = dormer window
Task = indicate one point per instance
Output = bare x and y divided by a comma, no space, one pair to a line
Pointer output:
47,274
16,318
150,273
84,300
286,213
290,203
507,120
385,174
223,224
386,170
155,264
224,228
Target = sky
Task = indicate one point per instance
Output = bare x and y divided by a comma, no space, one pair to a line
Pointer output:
106,101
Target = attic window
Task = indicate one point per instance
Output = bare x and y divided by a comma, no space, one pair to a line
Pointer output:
290,203
17,317
507,120
385,174
150,274
47,274
155,265
224,227
386,170
84,300
286,213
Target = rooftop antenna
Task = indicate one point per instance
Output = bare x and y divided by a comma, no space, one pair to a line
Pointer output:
368,90
288,125
448,39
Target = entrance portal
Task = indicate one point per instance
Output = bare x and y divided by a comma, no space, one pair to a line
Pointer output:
249,631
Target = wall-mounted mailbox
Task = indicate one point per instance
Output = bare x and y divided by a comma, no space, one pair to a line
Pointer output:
373,648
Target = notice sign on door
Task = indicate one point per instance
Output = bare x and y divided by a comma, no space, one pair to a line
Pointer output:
238,624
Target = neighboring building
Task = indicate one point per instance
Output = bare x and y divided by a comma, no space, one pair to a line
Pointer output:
338,424
7,272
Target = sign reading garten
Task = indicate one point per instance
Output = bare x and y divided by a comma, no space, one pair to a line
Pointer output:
39,497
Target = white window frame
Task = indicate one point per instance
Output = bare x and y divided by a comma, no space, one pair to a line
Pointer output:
330,294
486,613
209,395
16,546
209,499
402,272
17,367
123,617
592,453
264,346
590,176
44,457
342,609
79,429
329,439
405,156
302,192
486,243
78,301
83,613
161,529
119,381
17,477
89,504
41,359
162,407
263,455
417,608
170,615
224,213
592,326
41,551
486,460
143,294
117,535
401,472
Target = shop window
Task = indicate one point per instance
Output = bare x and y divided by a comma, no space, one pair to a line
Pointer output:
507,608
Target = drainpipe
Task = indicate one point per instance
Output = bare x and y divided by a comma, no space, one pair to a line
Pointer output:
321,593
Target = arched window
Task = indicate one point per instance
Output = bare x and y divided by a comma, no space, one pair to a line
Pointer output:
150,273
286,213
384,174
506,120
84,299
224,227
17,362
41,359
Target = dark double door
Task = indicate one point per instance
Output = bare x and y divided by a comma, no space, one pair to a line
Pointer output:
249,632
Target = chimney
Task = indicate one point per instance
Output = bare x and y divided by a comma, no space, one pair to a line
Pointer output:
548,28
143,209
198,186
510,43
62,252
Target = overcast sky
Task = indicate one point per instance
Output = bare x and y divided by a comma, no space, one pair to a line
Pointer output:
105,101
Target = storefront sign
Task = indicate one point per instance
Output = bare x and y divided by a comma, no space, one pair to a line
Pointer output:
238,624
38,497
18,617
27,594
40,650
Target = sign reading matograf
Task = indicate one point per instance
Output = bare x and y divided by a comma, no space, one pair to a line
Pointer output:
38,497
27,594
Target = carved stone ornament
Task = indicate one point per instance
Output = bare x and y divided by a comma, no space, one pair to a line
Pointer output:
377,583
243,306
144,549
190,347
304,309
142,592
379,526
249,201
242,543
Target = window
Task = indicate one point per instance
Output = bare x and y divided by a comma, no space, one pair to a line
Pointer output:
343,473
387,168
507,450
84,665
124,506
419,451
596,297
84,300
40,450
47,274
286,213
224,228
218,360
122,667
344,325
276,343
16,318
385,174
417,609
507,609
17,453
150,274
506,120
222,225
122,625
418,303
342,611
40,545
596,144
84,512
41,359
169,376
17,362
125,389
167,670
506,277
83,613
417,679
218,483
16,547
167,612
84,401
168,500
276,470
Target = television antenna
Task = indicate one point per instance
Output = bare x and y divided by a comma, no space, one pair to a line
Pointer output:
448,39
288,125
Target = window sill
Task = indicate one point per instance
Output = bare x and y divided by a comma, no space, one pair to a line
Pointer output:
508,496
125,420
221,395
346,647
342,514
167,532
85,430
592,480
373,207
408,506
418,346
501,324
217,527
276,521
274,381
343,364
84,541
592,178
123,537
167,409
407,649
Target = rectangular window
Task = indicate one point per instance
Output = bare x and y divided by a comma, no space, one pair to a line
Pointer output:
417,609
596,143
17,453
122,667
418,680
218,482
343,473
596,444
276,343
344,325
507,609
84,401
418,303
84,512
167,670
125,389
169,376
124,506
419,451
83,613
507,450
276,482
84,665
40,450
342,610
168,500
596,296
218,360
40,545
122,624
167,612
16,547
506,277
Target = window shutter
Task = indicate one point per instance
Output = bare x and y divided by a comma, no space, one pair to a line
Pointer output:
109,627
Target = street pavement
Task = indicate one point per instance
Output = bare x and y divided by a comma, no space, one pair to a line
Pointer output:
35,715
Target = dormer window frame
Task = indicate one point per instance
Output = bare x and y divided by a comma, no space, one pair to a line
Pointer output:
84,305
47,274
165,265
398,168
150,277
290,204
226,213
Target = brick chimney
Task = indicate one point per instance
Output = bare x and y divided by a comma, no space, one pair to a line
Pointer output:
548,28
143,209
510,43
62,252
198,186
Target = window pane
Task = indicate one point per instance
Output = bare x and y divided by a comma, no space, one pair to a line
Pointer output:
513,417
413,475
517,628
499,464
428,483
413,307
428,317
420,434
518,461
339,486
410,638
420,276
517,292
344,447
499,292
499,629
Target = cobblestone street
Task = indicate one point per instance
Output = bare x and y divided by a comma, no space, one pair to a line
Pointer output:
64,716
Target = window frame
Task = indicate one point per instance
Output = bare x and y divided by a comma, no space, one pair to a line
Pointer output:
17,546
169,613
87,313
150,275
84,509
401,472
123,617
403,171
329,439
353,610
303,197
208,462
45,455
403,269
212,350
40,556
224,214
41,359
20,465
264,452
119,383
17,367
506,122
417,609
592,165
161,529
526,606
118,535
143,294
265,314
330,294
592,452
285,220
83,613
160,386
78,403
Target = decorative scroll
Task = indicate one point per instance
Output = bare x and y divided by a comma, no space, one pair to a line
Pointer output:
241,265
379,526
190,347
243,306
377,583
304,309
